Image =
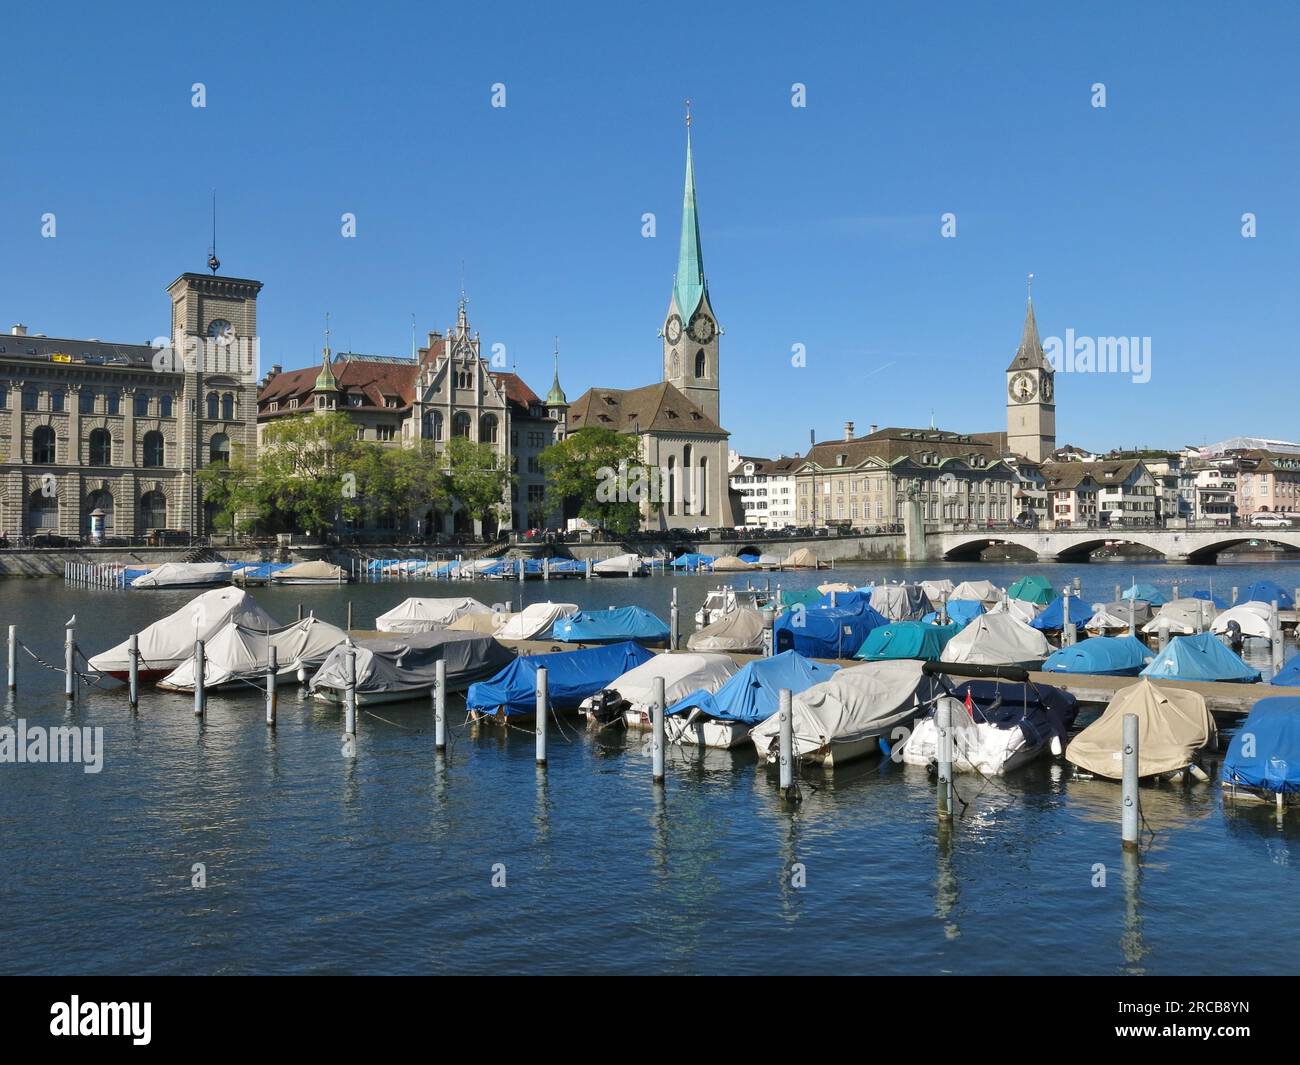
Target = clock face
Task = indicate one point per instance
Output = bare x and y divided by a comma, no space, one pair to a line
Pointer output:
673,330
221,331
1022,387
701,329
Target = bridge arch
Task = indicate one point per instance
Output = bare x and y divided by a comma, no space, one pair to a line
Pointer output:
1208,553
1080,549
970,550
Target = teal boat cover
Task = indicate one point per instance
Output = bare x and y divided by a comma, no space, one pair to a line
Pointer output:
906,639
808,597
1200,657
1273,763
1105,656
1033,589
571,677
752,694
611,626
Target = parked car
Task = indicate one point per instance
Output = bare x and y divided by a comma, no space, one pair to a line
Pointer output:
1270,521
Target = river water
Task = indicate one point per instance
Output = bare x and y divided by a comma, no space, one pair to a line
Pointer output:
386,862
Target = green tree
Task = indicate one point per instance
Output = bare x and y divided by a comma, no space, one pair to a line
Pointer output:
306,474
476,478
599,472
232,490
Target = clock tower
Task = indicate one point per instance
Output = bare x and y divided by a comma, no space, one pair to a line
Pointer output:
1031,396
690,332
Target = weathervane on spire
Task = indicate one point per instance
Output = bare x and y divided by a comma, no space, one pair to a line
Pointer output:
214,264
327,334
1031,288
688,114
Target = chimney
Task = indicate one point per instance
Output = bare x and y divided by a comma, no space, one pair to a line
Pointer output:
275,369
873,428
848,430
18,330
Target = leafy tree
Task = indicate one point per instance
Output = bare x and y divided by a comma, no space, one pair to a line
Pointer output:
231,488
305,470
476,478
599,472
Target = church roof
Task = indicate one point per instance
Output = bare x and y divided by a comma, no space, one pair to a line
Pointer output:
892,444
689,287
1029,356
556,397
657,408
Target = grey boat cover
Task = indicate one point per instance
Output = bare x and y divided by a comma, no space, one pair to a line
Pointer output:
1020,609
938,591
422,615
996,640
1186,616
1111,617
309,571
985,592
857,703
179,574
243,652
1172,724
741,630
407,662
682,675
900,602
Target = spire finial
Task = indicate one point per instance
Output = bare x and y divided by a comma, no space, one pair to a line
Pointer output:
1031,288
214,264
688,114
327,336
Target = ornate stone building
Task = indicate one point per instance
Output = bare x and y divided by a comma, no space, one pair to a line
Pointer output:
89,426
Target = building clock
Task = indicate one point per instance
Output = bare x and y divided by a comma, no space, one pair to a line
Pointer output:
673,329
1022,387
221,331
701,329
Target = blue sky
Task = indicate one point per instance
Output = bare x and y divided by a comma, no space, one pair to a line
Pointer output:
821,225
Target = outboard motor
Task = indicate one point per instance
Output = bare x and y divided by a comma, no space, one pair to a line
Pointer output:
1235,639
607,708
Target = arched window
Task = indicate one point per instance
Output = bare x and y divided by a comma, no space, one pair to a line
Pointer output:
101,448
460,425
487,429
431,425
228,407
99,500
672,484
153,510
43,445
704,485
688,477
42,512
699,364
164,406
219,449
153,449
213,400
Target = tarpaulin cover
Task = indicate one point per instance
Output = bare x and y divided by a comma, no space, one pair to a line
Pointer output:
749,555
741,630
1253,619
682,674
1051,616
1105,656
693,560
803,558
180,574
167,643
937,591
535,619
1274,762
845,598
610,626
1205,593
422,615
241,652
1186,616
618,566
996,640
983,591
900,602
1032,589
407,662
1020,609
490,623
808,596
309,571
730,564
1266,592
963,611
1146,592
571,677
1289,675
1114,616
1200,657
822,632
1172,723
906,639
753,693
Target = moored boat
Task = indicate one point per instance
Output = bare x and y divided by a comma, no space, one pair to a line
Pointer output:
399,667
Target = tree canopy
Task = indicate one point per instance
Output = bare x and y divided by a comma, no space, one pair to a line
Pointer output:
598,472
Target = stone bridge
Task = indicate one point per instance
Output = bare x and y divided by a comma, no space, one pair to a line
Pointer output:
1193,545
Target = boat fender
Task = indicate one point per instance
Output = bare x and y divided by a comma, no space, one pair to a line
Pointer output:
884,747
1200,774
1057,749
302,674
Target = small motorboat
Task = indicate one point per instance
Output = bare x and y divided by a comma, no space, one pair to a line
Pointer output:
629,699
721,601
418,614
741,631
395,668
619,566
997,639
1202,657
184,575
1101,656
1263,761
611,626
572,676
311,573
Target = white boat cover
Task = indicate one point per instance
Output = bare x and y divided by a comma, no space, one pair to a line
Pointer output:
769,561
730,564
180,574
1186,616
938,591
242,652
1020,609
1172,724
900,602
407,662
801,559
535,620
996,640
167,643
1253,617
309,571
619,565
856,705
682,674
740,630
985,592
423,615
976,747
1112,617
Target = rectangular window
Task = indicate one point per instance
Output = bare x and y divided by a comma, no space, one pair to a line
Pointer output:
141,406
86,402
384,432
56,401
30,399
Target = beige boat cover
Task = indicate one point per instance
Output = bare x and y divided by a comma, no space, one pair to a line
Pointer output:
731,564
424,615
1186,616
179,574
167,643
535,620
980,591
682,674
835,586
740,630
801,559
489,623
1253,617
310,571
618,565
996,640
938,591
1172,724
243,652
855,704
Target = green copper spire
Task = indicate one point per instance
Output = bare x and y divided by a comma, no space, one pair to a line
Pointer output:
556,397
689,286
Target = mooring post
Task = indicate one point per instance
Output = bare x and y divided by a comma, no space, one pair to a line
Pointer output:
299,611
440,705
350,694
349,615
1163,629
272,668
674,623
657,735
69,662
1235,593
200,678
133,670
1129,823
1119,594
1275,637
1175,595
588,569
546,568
521,571
13,658
769,632
943,753
786,740
1067,626
543,706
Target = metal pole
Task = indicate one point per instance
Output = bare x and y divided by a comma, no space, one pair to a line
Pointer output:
440,705
1163,628
133,666
674,623
200,679
349,615
543,706
350,695
13,658
272,668
657,736
786,721
1235,593
1175,590
1119,593
943,720
588,569
1129,819
1067,626
1132,617
299,611
69,663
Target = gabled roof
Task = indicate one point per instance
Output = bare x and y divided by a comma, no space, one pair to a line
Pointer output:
517,392
769,467
655,408
374,380
894,444
1067,476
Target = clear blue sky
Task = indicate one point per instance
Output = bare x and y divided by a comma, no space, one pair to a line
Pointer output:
821,225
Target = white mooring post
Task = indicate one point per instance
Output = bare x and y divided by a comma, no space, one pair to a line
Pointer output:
1129,789
546,568
1275,636
543,706
272,668
1163,629
349,615
657,735
1235,593
674,623
943,721
70,662
440,705
1067,626
769,632
1119,594
200,678
350,695
13,658
1175,595
133,667
1132,617
521,571
785,707
588,569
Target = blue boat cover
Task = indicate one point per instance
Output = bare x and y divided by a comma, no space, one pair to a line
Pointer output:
1266,592
1039,710
610,626
692,560
856,601
1200,657
1146,592
752,694
1051,616
571,677
749,555
568,565
1289,675
1273,726
906,639
1208,596
1105,656
964,611
822,632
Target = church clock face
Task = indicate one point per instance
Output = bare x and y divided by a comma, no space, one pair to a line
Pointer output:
673,330
1022,387
221,331
701,329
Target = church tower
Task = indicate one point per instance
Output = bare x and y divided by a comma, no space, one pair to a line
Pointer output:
690,332
1031,395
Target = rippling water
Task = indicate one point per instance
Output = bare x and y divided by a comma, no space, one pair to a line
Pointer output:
384,862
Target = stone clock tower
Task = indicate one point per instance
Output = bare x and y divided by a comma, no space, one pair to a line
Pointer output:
1031,397
691,330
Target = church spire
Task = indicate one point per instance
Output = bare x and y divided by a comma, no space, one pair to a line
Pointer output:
689,287
556,397
1029,356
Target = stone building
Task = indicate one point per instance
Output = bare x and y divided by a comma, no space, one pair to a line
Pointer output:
119,431
1031,396
764,489
1120,493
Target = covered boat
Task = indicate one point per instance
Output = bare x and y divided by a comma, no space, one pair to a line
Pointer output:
851,714
183,575
1052,616
619,566
963,611
693,561
1173,724
167,643
535,620
997,640
720,601
311,573
1020,609
724,718
611,626
1266,592
906,639
1200,657
1253,619
739,631
1289,675
938,591
423,615
1114,617
806,596
900,602
630,697
1264,757
1185,617
731,564
824,631
1148,593
239,653
985,592
1032,588
1101,656
572,676
403,666
837,587
490,623
803,558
